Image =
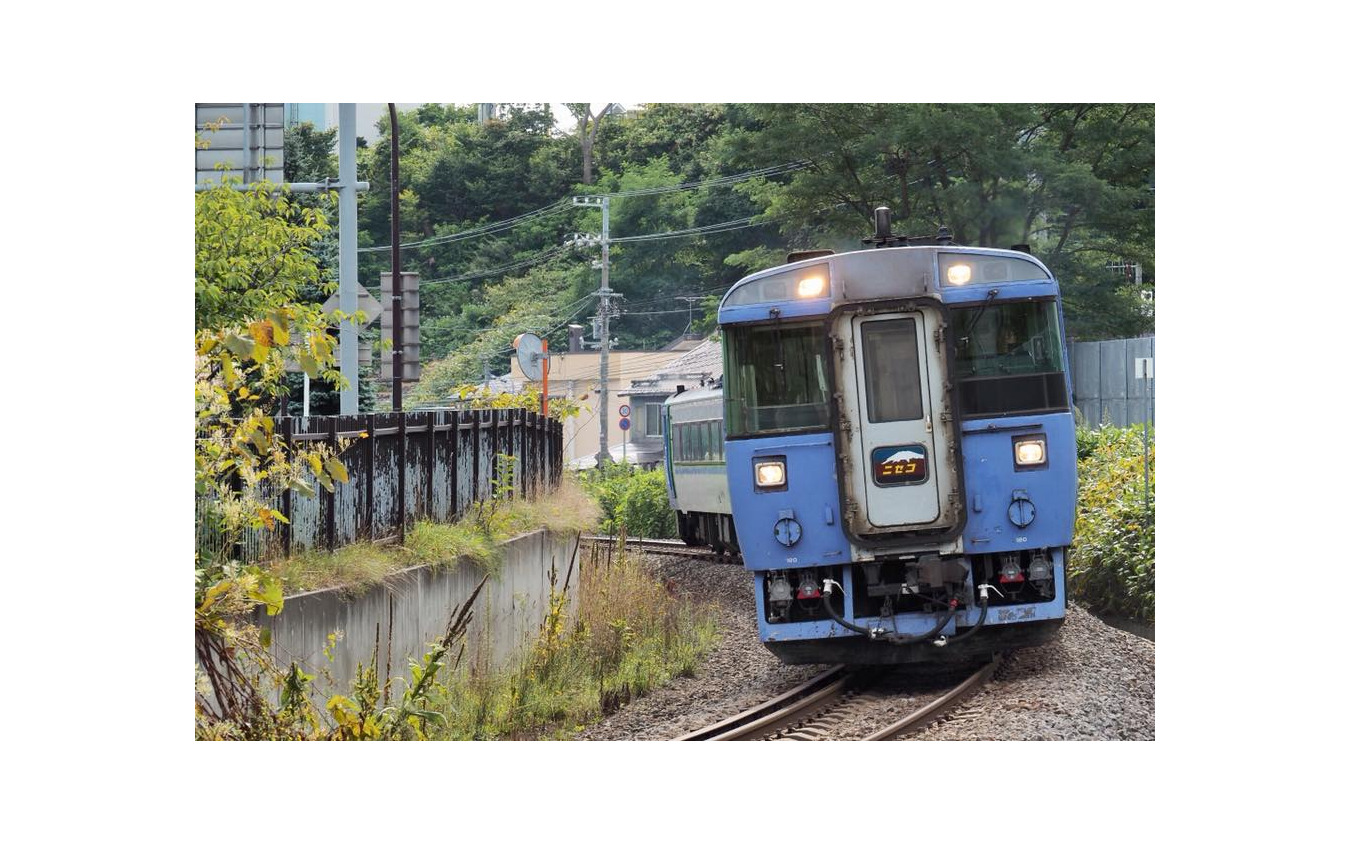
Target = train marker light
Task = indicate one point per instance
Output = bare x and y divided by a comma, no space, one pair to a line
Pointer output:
958,274
811,286
1029,451
770,473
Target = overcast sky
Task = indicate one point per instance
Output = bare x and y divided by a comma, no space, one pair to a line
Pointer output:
368,113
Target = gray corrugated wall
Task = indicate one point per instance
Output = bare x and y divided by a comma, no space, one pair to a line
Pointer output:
1105,390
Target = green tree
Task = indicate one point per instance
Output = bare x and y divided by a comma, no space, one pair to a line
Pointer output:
1074,181
252,260
307,153
539,301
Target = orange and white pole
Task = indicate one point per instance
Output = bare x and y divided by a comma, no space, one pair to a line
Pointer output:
543,400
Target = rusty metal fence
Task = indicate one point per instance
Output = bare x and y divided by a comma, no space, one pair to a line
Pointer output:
408,466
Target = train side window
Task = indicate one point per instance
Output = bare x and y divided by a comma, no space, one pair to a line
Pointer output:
891,365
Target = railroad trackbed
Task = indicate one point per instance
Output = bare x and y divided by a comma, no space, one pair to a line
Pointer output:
672,547
849,704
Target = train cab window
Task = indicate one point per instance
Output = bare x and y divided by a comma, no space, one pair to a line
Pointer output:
891,368
1009,359
776,379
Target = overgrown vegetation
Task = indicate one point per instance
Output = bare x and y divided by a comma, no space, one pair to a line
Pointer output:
631,500
622,634
253,257
477,537
1111,567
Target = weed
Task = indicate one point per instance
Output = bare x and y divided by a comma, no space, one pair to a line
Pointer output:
622,634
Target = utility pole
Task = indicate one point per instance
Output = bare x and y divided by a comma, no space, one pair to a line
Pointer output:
689,326
604,311
397,275
348,361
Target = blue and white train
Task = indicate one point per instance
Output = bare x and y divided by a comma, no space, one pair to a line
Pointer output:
696,468
899,450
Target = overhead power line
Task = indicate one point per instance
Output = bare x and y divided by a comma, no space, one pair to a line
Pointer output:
717,181
504,268
712,228
491,228
565,203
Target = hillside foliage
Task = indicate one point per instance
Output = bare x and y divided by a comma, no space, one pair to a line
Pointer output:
1074,181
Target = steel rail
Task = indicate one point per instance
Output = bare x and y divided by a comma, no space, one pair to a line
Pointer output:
764,717
675,547
922,716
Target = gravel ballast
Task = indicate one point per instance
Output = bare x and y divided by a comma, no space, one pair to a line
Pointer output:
1093,682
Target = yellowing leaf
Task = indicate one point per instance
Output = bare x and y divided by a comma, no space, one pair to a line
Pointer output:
336,469
241,346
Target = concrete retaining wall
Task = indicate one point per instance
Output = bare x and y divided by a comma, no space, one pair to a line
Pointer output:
506,616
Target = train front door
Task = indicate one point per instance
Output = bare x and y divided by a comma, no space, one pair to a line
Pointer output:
899,472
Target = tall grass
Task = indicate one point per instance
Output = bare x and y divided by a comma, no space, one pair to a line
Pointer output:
622,634
477,537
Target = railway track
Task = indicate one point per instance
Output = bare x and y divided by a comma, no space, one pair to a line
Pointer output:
826,705
674,547
768,717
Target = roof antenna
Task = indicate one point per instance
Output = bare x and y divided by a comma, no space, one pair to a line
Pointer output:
881,219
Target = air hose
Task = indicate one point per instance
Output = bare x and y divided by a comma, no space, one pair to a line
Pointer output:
884,636
984,612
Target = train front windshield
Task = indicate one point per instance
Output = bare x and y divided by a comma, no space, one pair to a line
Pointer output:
775,379
1009,359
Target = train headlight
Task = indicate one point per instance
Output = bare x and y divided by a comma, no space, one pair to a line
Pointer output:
770,474
1029,451
958,274
810,287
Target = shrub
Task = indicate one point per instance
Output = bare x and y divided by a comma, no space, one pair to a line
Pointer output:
1111,567
631,499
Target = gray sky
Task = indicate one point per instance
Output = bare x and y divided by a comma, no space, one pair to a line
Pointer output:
368,113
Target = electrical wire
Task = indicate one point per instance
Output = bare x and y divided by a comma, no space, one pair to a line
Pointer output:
549,210
565,204
718,181
712,228
504,268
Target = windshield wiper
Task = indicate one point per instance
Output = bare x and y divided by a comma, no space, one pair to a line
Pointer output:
989,297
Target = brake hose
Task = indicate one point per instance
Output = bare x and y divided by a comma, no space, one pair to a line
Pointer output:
984,611
892,638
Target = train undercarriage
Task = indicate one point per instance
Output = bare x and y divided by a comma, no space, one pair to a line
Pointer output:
714,530
915,609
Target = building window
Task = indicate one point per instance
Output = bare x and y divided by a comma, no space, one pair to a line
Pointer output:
653,419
